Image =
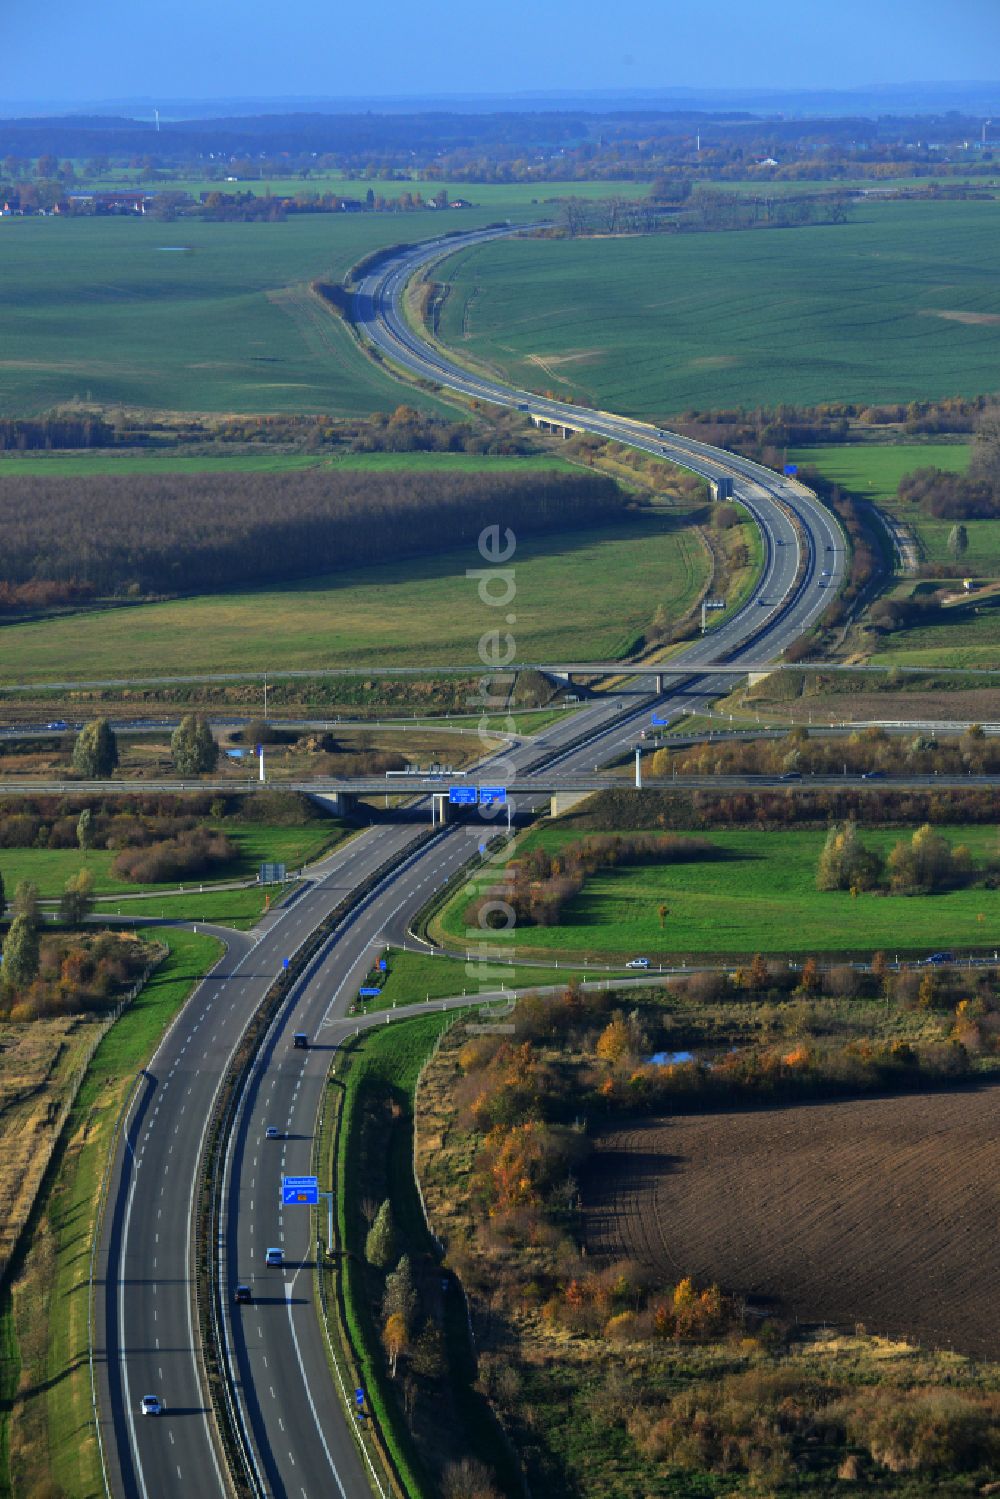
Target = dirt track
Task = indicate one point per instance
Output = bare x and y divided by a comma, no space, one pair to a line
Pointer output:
881,1211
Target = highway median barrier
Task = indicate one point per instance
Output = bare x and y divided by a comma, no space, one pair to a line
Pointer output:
232,1438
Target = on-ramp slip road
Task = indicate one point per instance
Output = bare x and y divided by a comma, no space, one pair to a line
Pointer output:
300,1433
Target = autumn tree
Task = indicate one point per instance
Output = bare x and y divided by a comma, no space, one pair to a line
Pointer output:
85,830
468,1479
927,862
401,1298
614,1041
192,746
380,1245
809,977
21,953
26,901
394,1340
845,863
958,542
76,901
427,1356
759,976
95,753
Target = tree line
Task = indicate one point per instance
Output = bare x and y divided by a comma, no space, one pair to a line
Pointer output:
825,754
149,534
924,864
611,811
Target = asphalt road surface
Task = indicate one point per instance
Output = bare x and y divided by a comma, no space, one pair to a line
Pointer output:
300,1431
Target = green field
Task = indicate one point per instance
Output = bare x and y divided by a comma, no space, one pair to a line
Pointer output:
758,895
256,844
190,316
240,909
962,638
482,195
424,611
873,471
862,311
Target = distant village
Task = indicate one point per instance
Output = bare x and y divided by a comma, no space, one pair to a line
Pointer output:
217,202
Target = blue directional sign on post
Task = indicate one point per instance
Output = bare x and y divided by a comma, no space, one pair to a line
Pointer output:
300,1189
660,722
791,469
359,1397
368,993
490,794
463,796
382,965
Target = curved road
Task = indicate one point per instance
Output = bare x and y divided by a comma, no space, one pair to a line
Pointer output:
300,1432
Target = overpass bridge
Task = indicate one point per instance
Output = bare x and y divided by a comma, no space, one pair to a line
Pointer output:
561,670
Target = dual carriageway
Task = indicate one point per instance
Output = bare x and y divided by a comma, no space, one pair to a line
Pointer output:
297,1428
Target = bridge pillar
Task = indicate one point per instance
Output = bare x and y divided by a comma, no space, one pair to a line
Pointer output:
753,677
659,681
340,803
564,801
440,805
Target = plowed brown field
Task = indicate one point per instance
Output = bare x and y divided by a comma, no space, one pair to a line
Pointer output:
883,1211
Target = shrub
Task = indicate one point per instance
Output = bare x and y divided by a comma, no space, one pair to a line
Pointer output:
187,856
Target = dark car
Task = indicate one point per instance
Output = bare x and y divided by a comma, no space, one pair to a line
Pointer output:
243,1294
301,1040
791,775
939,957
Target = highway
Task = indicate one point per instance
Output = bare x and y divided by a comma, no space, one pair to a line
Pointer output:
300,1434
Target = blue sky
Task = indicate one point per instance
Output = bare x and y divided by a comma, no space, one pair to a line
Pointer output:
192,49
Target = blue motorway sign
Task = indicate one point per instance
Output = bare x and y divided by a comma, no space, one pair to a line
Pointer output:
359,1397
382,965
490,794
300,1189
369,993
791,469
660,722
462,796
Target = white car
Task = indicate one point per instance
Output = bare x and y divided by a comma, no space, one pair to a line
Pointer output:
152,1405
637,963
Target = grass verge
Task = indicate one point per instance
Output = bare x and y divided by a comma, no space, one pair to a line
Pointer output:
52,1436
413,978
385,1059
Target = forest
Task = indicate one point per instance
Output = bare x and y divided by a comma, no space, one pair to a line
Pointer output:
136,536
